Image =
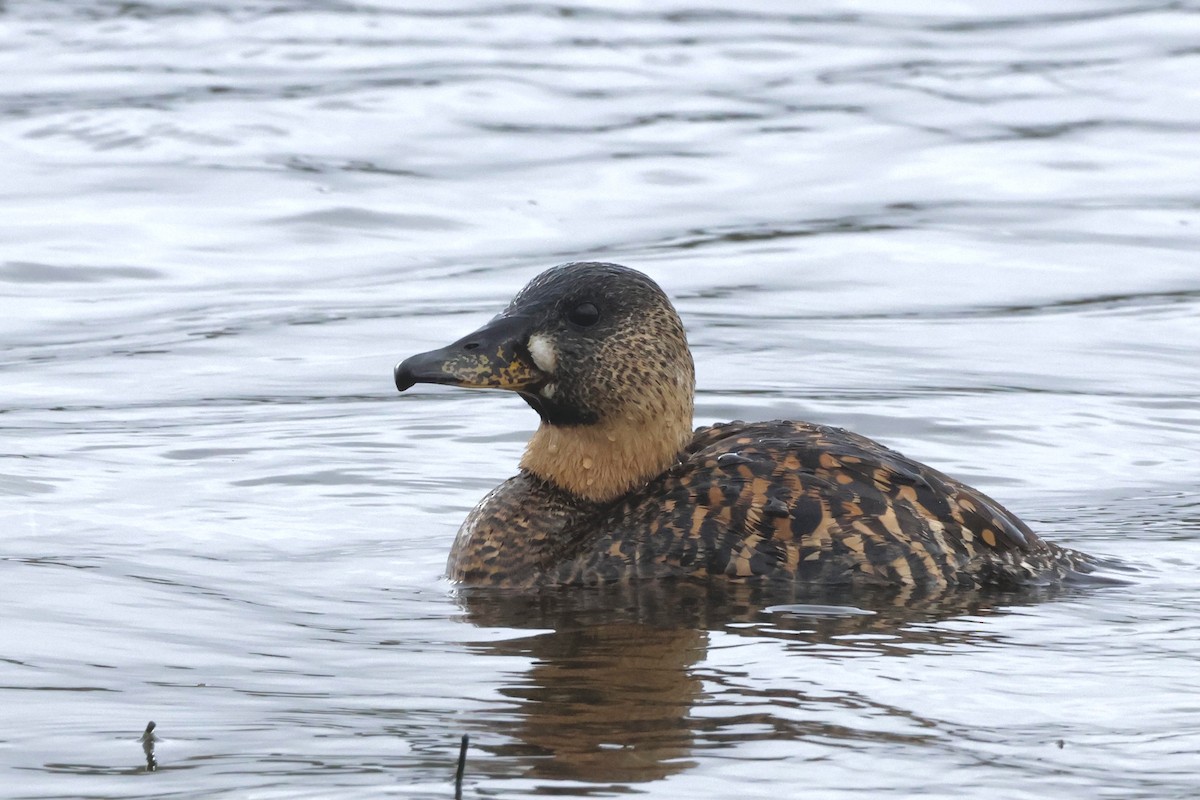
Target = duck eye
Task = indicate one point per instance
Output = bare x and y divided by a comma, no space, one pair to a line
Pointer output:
584,315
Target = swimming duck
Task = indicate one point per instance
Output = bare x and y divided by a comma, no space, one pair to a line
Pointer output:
615,485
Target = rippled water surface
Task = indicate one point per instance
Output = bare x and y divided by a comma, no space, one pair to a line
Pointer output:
969,230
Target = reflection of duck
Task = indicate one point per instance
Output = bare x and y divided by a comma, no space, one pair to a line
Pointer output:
622,687
615,485
603,702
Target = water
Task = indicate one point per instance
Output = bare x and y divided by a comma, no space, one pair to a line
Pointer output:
970,233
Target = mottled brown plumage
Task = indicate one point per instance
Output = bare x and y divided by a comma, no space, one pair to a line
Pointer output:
614,485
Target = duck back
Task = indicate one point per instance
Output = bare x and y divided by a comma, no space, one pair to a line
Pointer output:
773,501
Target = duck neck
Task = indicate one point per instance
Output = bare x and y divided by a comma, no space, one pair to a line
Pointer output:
605,460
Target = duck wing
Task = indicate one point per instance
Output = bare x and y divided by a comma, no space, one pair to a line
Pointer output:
810,503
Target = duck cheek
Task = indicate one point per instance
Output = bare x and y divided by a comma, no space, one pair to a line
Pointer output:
544,353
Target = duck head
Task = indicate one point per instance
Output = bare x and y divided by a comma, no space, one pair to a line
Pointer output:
599,352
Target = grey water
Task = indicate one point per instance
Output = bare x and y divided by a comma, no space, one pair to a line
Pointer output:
969,230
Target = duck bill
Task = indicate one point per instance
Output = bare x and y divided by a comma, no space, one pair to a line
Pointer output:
494,357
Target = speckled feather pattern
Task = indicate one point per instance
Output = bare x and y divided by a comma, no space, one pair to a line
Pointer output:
766,501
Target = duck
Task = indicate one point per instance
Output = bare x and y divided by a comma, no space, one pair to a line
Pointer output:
615,485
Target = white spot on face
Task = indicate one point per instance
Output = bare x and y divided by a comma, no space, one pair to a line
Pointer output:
543,352
548,391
